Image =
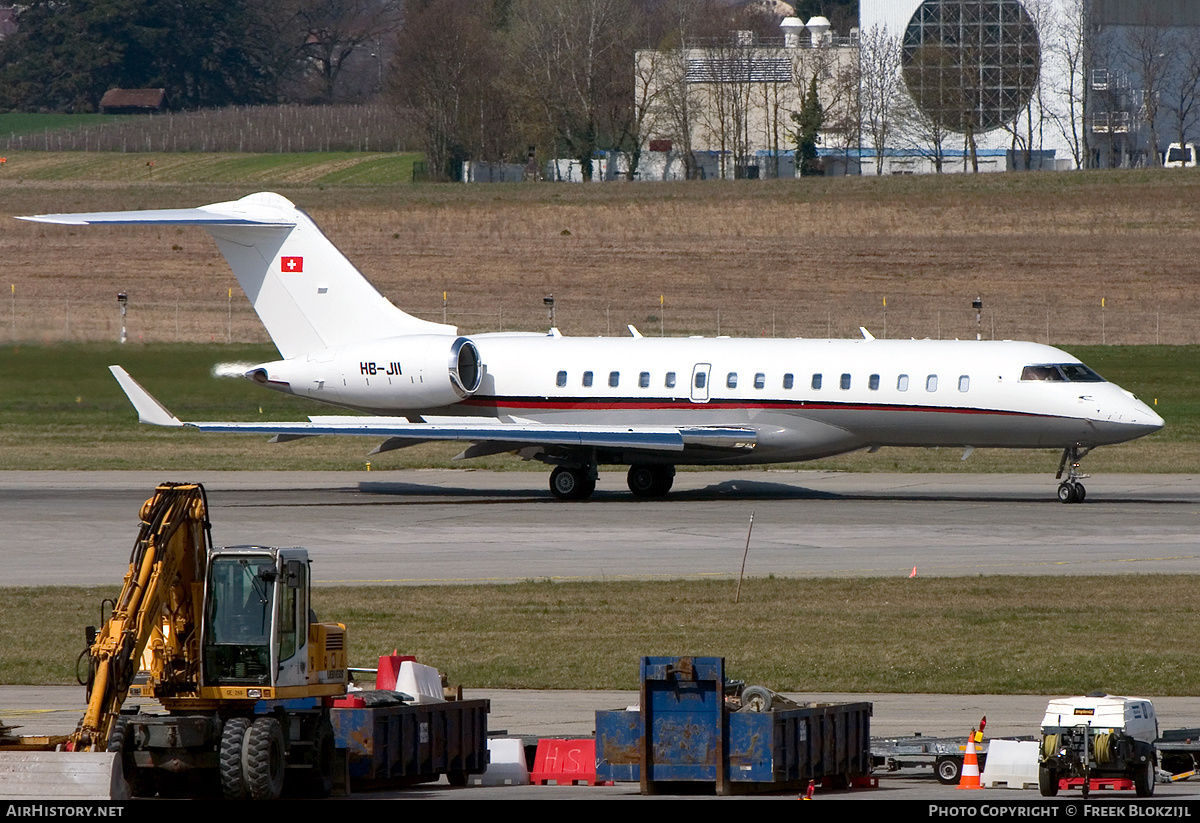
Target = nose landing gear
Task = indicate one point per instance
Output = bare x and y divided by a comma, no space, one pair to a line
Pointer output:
1071,490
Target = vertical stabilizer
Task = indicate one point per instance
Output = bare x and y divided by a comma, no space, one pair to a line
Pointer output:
305,291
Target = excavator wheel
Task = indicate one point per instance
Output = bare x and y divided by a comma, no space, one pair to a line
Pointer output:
263,759
233,737
140,783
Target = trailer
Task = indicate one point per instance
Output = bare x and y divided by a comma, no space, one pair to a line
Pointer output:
944,755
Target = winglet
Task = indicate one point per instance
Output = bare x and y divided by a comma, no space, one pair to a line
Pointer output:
149,410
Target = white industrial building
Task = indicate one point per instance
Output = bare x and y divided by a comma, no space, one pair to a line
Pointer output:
982,85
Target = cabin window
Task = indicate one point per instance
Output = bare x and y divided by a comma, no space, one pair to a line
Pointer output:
760,381
845,382
816,381
644,380
701,379
964,382
902,382
587,379
731,380
787,381
561,380
931,383
614,379
873,382
670,381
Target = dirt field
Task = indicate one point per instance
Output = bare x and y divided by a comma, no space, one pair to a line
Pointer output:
1065,258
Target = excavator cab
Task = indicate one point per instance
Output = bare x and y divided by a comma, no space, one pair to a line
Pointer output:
256,618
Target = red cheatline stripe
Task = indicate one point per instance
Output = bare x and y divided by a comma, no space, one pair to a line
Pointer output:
659,404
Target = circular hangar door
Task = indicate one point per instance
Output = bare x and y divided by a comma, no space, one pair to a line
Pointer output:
971,65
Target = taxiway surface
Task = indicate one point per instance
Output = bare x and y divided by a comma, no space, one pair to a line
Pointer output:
476,526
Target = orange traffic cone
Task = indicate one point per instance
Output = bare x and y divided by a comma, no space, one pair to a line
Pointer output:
970,769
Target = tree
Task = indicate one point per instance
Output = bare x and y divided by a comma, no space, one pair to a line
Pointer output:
572,71
329,32
67,53
808,129
1184,95
1147,47
881,93
446,69
1071,47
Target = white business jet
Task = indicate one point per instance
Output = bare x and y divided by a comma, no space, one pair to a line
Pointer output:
648,403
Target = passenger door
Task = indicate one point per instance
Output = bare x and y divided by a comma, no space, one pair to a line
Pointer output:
700,376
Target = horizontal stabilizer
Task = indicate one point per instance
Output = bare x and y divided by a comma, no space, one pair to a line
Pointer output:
256,210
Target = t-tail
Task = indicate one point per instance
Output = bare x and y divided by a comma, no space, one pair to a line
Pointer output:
307,294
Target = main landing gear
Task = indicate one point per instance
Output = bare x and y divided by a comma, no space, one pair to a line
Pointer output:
650,480
1071,490
579,482
573,483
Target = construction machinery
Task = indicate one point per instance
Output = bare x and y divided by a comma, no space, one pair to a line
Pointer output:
225,641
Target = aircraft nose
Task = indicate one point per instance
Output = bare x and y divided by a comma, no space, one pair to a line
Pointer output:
1139,417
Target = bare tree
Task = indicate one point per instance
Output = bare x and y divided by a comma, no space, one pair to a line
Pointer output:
574,64
881,90
916,130
1070,47
328,32
1148,49
1184,96
445,69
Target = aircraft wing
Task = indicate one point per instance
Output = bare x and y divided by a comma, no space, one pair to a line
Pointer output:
499,435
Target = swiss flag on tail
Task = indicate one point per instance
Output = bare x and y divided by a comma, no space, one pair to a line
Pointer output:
291,264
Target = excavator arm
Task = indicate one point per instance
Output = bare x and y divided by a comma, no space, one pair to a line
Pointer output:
159,606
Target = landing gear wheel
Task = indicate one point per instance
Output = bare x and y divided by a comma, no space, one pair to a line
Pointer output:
1071,490
263,759
233,737
1047,781
948,770
1143,779
650,481
571,484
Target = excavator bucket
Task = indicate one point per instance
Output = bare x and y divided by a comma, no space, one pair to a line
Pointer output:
53,775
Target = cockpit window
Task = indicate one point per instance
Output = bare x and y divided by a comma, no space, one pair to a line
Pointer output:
1079,373
1061,372
1041,373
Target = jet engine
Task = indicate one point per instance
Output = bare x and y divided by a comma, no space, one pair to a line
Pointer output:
391,374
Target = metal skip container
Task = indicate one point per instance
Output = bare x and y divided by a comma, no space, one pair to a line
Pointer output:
694,739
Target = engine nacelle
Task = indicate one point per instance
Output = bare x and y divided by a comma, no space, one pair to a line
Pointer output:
413,372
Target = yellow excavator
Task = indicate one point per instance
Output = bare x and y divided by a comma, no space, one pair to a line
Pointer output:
225,641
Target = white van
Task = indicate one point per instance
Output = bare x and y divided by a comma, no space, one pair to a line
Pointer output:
1180,155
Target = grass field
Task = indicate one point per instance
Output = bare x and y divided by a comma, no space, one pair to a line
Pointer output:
244,169
1000,635
1066,258
1077,260
15,122
61,409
